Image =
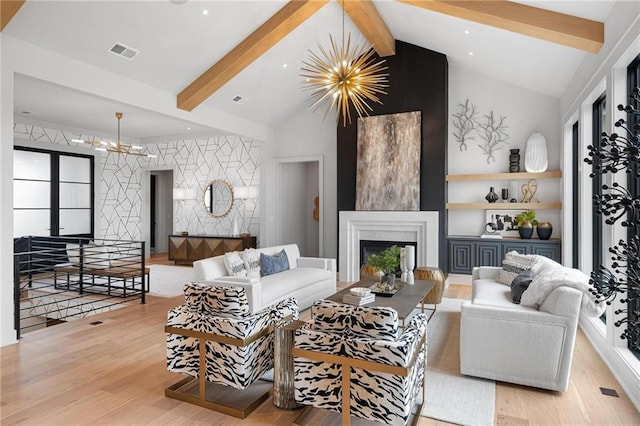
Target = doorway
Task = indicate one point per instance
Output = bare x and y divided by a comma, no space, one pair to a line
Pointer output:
299,217
160,211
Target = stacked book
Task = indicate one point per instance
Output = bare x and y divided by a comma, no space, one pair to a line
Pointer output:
358,300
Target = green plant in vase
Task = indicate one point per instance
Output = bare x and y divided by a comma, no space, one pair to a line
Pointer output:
388,262
526,221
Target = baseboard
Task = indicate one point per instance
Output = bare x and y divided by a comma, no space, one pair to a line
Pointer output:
458,279
622,363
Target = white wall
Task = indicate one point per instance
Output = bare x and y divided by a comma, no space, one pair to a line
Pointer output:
526,112
304,134
291,196
7,332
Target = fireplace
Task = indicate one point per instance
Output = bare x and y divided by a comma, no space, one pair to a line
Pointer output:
402,227
369,247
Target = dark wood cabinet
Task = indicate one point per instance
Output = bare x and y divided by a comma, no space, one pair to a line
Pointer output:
185,249
465,253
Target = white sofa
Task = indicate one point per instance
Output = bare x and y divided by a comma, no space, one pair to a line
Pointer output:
308,279
513,343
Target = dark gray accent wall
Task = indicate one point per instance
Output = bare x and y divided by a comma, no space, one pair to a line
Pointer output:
418,81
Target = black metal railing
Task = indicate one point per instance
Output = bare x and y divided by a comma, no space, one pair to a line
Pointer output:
60,279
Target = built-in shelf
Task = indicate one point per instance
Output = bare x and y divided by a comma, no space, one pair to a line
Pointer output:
506,176
504,206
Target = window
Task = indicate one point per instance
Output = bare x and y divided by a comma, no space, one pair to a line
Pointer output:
633,184
599,116
52,193
575,200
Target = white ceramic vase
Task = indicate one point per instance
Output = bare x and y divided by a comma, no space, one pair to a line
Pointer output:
535,156
410,262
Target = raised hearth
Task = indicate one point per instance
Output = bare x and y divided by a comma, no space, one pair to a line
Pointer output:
419,227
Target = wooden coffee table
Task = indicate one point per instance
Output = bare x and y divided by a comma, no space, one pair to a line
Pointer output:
404,301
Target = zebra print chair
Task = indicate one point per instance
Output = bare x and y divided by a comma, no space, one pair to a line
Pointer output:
215,340
362,352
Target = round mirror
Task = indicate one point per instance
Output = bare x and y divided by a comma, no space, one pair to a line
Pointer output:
218,198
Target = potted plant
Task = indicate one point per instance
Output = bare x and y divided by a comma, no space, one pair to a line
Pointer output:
387,261
526,221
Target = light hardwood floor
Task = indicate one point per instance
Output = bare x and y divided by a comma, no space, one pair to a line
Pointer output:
114,373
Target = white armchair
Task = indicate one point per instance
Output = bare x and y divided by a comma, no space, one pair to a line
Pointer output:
504,341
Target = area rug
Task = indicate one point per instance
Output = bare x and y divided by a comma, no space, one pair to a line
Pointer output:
450,396
167,280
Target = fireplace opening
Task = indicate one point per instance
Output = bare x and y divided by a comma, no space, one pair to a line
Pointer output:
369,247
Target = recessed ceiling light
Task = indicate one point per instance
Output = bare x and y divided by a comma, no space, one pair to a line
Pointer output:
205,11
284,65
470,53
188,128
466,31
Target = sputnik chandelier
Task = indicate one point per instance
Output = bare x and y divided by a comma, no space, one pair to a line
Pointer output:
117,146
343,75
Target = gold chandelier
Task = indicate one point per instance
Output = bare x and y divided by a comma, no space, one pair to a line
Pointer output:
117,146
349,74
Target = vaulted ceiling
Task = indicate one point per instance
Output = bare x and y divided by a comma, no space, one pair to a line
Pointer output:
255,48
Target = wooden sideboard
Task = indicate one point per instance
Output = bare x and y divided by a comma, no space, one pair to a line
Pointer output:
185,249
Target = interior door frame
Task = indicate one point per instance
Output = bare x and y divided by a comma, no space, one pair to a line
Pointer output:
146,200
279,162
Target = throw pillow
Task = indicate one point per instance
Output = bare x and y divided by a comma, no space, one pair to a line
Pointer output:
519,284
234,264
542,264
252,262
270,265
512,265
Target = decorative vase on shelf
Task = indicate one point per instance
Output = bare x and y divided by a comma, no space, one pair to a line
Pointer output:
491,197
514,160
535,156
544,230
526,231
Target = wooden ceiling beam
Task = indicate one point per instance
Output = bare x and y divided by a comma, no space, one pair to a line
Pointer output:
251,48
8,9
568,30
364,14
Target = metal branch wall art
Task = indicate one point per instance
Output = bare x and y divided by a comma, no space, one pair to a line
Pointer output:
464,123
490,129
494,135
617,153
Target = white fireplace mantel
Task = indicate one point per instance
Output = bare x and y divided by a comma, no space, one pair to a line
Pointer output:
420,227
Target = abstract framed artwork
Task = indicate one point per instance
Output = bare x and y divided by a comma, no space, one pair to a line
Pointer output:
505,221
388,164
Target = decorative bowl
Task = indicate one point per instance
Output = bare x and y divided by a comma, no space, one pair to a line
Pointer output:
360,291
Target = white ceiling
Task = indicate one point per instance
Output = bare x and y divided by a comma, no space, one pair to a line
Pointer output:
177,43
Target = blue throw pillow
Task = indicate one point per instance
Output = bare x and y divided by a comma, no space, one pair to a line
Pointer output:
273,264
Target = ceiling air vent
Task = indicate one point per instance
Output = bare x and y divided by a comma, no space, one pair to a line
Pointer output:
123,51
240,100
